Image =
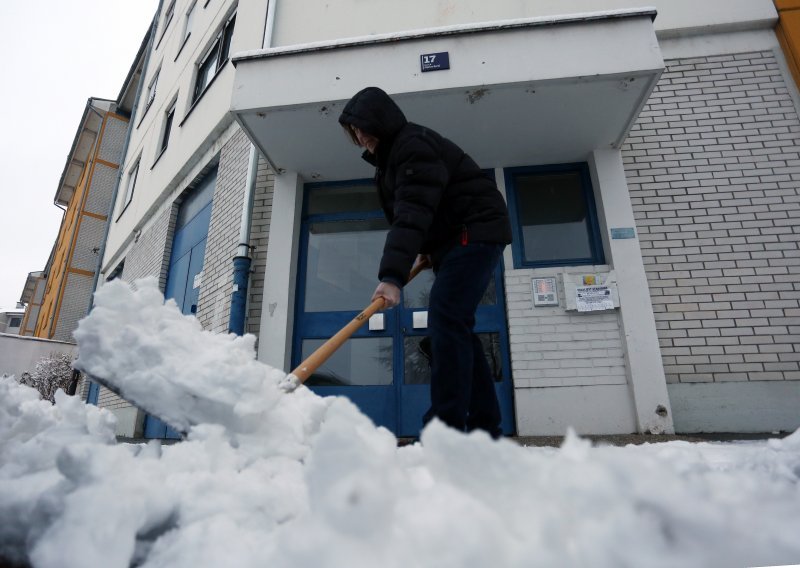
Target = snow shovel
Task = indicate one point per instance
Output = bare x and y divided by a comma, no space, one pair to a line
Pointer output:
210,406
324,351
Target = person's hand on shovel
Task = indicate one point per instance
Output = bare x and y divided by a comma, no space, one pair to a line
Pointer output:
391,292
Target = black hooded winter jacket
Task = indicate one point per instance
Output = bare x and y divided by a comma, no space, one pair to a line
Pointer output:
433,194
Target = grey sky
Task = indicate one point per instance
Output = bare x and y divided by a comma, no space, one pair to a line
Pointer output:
57,55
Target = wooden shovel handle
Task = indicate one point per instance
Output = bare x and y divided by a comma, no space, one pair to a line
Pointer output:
324,351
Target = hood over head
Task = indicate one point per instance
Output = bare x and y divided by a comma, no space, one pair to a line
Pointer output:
374,112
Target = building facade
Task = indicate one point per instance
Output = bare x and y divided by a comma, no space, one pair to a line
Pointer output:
178,215
11,320
60,295
648,157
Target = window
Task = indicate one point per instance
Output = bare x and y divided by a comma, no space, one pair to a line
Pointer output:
131,185
554,216
214,59
14,322
151,91
169,117
187,24
168,17
117,272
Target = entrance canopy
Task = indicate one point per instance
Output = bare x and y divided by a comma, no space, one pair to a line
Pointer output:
520,92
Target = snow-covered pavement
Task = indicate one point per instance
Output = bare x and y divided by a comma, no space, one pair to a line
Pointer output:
267,478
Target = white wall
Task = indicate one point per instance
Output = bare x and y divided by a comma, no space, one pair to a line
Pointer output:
196,130
304,21
20,354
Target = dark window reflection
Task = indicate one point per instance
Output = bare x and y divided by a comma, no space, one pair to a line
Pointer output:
417,369
343,259
348,199
360,361
554,216
418,291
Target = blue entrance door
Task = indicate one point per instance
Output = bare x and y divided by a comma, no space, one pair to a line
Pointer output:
185,266
381,368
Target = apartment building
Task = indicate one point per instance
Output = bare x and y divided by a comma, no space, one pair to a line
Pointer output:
11,319
59,296
178,212
648,156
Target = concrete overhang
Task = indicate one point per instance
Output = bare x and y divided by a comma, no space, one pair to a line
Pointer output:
91,121
520,92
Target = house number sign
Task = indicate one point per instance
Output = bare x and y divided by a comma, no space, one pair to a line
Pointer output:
434,61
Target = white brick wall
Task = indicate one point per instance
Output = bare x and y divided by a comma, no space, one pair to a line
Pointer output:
74,305
104,178
259,239
553,347
214,305
149,255
713,170
87,243
113,139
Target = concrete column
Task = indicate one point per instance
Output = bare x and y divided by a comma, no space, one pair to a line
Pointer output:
277,316
640,339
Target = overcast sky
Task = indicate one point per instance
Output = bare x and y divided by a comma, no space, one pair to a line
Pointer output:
57,54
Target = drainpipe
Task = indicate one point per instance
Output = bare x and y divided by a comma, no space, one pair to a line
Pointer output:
120,171
242,260
270,28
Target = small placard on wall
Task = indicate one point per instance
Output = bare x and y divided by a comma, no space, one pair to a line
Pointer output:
623,233
434,61
545,292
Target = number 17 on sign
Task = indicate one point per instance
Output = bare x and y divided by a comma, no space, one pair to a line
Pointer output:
434,61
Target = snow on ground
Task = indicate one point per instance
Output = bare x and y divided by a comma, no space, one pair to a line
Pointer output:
269,478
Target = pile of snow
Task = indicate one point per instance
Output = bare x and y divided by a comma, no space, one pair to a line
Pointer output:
267,478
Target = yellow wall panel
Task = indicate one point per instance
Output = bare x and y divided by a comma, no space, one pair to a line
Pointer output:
788,32
787,4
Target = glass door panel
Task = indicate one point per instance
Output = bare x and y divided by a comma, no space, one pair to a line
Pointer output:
360,361
417,370
342,261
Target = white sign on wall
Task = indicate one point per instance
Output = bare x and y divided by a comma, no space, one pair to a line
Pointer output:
593,298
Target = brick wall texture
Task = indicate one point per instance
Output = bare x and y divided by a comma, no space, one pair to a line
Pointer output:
214,305
553,347
713,172
223,238
149,255
259,239
74,305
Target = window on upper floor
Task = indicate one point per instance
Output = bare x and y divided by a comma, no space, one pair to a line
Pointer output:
169,118
117,272
553,216
214,59
168,15
151,91
187,22
130,186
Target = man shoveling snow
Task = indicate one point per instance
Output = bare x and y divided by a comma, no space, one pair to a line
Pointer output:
268,478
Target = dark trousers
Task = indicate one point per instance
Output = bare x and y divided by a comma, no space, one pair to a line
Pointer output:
462,388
